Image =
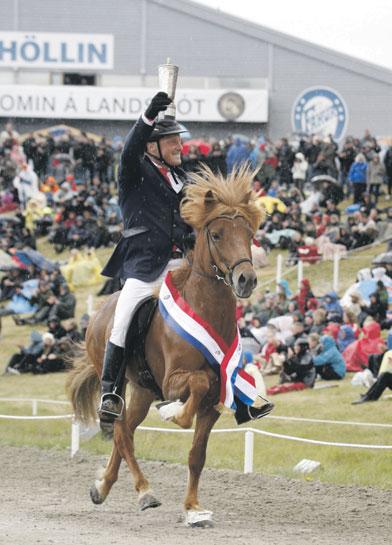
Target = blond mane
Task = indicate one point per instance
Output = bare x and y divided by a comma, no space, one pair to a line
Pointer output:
210,195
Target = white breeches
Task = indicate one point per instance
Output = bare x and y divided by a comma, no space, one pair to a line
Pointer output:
132,293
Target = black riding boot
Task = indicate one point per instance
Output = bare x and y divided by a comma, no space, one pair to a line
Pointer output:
112,382
244,412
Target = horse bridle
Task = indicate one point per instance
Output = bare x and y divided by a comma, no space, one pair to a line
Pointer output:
227,275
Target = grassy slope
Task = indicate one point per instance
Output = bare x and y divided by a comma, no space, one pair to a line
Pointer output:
275,456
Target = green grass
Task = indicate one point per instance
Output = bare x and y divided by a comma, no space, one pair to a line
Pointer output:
271,456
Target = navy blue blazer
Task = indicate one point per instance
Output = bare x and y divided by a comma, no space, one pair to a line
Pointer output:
150,212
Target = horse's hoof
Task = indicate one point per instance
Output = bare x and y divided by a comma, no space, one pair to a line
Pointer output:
96,496
147,501
199,519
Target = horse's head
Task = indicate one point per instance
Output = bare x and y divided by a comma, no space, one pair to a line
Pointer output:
228,241
225,216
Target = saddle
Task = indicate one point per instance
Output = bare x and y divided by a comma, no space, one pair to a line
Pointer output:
135,345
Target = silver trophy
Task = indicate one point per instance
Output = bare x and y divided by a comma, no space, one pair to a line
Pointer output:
167,76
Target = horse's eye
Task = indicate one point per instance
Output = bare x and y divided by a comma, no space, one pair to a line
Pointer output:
215,237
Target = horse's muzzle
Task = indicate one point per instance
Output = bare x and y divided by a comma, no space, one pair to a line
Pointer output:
244,282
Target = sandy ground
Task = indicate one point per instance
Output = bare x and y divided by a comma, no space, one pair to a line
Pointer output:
45,500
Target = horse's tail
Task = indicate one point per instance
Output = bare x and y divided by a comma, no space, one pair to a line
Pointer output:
82,388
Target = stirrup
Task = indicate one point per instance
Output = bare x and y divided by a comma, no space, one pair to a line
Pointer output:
108,407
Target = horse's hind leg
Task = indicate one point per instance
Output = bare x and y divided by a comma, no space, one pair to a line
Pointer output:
137,410
106,480
195,516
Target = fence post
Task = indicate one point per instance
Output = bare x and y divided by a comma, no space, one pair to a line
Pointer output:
279,266
34,407
335,283
75,438
90,304
248,454
300,272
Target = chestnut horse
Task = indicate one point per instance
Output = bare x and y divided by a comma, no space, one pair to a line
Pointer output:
225,217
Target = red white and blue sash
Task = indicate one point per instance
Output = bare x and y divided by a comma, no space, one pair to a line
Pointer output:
226,360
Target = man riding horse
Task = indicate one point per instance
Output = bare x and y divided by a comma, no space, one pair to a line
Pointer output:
154,239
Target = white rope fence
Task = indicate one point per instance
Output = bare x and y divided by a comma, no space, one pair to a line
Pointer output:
248,438
320,421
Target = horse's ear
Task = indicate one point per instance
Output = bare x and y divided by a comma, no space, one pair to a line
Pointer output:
246,197
209,198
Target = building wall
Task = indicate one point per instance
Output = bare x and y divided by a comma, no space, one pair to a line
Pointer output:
146,33
201,48
119,17
366,98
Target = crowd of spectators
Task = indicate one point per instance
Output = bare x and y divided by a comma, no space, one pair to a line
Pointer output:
43,298
63,189
301,337
304,182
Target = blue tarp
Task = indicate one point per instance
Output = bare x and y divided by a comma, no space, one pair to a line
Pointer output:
33,257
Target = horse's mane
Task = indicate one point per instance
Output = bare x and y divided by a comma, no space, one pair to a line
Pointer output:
210,195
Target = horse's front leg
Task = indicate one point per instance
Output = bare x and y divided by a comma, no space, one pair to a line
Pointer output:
191,386
195,515
124,430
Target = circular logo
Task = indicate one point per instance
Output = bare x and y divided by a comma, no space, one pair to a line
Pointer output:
320,111
231,106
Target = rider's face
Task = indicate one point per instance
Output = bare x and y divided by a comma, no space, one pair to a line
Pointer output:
171,149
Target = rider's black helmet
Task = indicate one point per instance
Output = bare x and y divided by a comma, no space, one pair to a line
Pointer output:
165,127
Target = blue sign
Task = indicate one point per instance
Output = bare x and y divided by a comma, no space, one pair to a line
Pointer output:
320,111
55,50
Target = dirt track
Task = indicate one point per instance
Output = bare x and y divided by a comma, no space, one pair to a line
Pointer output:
44,500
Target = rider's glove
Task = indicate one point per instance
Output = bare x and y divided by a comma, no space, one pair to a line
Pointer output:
158,103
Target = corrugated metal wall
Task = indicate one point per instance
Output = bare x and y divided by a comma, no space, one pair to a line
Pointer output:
205,49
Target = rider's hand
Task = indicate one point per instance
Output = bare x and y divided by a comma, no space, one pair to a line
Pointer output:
158,103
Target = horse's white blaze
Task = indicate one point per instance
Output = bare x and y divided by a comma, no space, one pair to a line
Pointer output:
194,517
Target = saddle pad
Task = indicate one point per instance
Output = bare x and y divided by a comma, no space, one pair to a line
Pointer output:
135,344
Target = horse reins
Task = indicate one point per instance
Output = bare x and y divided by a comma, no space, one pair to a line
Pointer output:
225,276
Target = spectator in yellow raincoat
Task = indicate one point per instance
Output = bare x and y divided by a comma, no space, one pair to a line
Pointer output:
82,269
32,214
